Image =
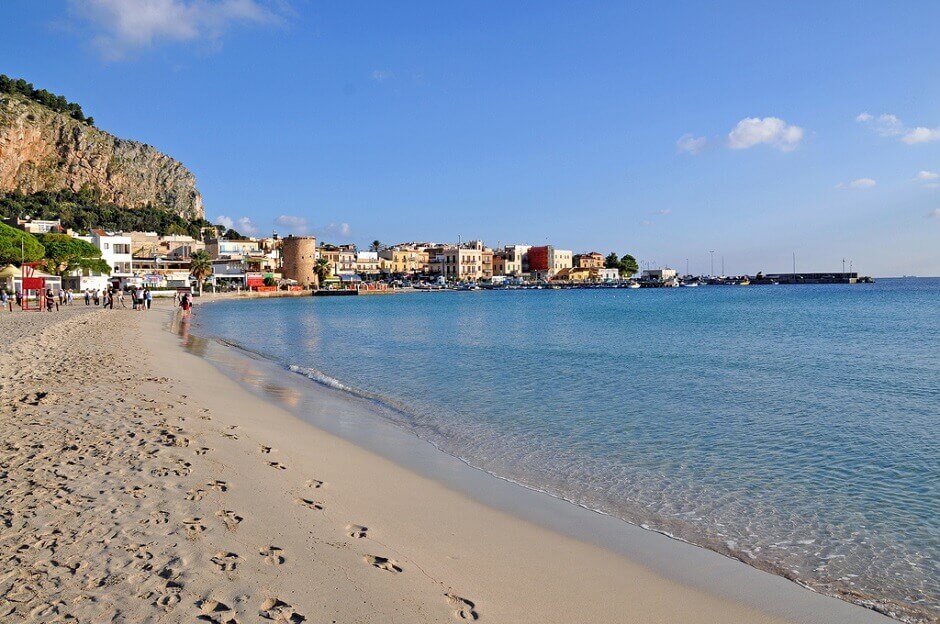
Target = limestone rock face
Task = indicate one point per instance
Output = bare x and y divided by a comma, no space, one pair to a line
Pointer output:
41,150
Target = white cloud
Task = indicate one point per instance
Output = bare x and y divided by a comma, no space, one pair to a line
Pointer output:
293,224
921,135
885,124
664,211
691,144
126,25
935,213
335,230
927,175
861,183
771,131
228,222
888,125
381,75
246,226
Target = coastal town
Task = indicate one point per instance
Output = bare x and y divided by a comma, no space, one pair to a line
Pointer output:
175,262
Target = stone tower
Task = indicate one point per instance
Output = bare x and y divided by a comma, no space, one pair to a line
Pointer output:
299,257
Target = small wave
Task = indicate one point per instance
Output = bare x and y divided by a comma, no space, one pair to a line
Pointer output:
322,378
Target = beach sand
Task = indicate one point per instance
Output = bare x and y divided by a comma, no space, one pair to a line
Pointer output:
139,483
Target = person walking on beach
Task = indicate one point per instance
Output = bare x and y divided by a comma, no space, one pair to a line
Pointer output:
69,297
87,297
138,298
186,303
95,297
5,299
148,297
120,294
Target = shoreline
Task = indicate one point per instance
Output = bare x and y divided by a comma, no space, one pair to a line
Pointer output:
581,522
144,483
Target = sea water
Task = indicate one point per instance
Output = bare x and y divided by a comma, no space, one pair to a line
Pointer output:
796,428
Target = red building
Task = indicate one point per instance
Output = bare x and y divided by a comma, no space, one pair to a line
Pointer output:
539,258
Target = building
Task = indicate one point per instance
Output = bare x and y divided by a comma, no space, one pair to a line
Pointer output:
545,261
659,275
367,263
591,260
299,257
487,263
511,260
347,260
330,253
116,251
221,249
228,272
608,275
456,263
36,226
405,261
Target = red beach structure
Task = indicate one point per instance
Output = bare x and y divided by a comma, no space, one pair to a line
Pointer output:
29,282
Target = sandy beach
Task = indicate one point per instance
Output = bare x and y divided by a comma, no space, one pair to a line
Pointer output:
140,483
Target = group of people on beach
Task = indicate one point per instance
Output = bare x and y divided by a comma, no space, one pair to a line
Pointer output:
141,298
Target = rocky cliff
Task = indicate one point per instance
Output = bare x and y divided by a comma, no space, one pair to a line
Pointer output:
42,150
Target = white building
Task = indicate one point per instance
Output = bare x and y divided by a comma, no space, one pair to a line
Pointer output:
559,259
116,252
608,275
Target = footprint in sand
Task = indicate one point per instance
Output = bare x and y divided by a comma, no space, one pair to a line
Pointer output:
195,494
194,528
313,484
277,465
203,450
463,608
230,518
264,449
280,611
219,486
382,563
225,561
309,504
229,435
356,530
212,610
272,555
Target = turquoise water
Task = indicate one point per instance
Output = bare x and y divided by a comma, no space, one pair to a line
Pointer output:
794,427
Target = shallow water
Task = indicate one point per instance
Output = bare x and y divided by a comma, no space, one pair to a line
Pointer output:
794,427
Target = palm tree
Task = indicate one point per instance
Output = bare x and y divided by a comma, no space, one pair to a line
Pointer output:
323,270
376,245
200,267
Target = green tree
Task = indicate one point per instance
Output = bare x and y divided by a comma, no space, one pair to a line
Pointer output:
376,245
611,261
628,265
18,246
65,254
323,269
200,267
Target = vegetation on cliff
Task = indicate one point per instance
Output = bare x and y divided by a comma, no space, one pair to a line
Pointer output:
55,102
84,210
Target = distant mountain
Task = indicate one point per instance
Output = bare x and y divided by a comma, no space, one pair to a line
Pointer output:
47,144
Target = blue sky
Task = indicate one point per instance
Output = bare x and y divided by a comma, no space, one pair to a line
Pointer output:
755,129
